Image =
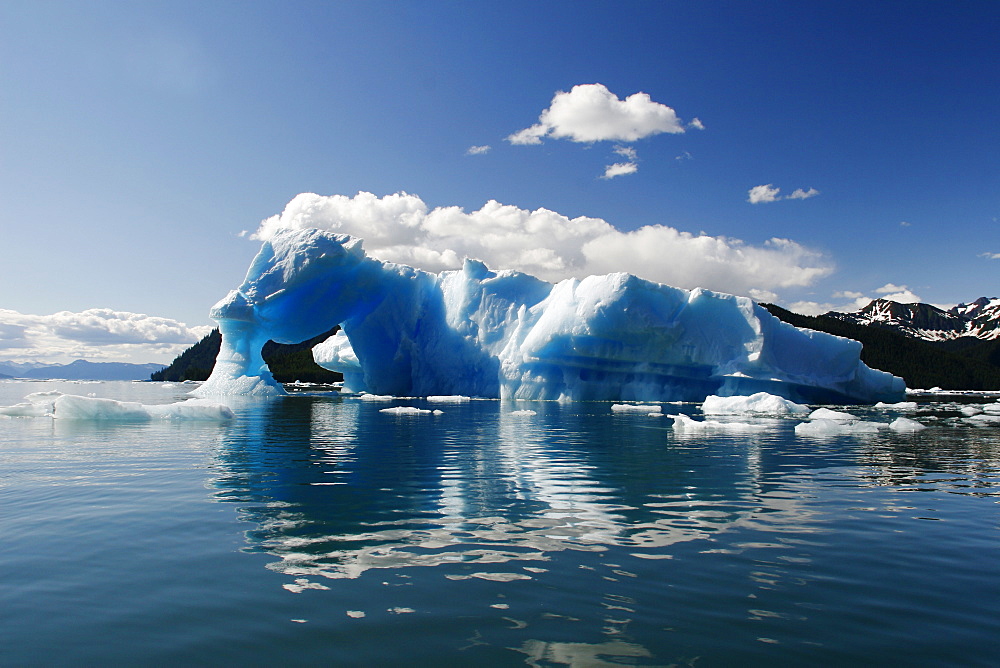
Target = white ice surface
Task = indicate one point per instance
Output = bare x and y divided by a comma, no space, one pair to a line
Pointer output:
74,407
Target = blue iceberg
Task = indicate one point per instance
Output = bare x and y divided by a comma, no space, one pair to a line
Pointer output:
509,335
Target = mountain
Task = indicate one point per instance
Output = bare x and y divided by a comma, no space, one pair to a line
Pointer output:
84,370
977,320
17,369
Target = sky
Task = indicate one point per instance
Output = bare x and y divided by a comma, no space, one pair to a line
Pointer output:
812,154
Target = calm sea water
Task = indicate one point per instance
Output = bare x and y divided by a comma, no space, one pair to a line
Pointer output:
316,530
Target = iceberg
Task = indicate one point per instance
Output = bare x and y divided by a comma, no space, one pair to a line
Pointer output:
505,334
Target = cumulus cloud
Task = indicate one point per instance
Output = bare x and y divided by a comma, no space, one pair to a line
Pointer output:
401,228
591,113
94,334
990,256
478,150
759,194
696,124
768,193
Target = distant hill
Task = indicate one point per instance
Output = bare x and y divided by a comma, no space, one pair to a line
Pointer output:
963,363
84,370
288,362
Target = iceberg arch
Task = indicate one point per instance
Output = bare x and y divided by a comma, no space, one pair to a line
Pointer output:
505,334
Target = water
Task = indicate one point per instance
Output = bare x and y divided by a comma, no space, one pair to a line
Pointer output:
315,530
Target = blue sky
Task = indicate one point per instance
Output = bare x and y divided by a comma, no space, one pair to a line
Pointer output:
142,144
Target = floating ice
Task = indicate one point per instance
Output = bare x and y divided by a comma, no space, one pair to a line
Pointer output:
761,402
645,409
826,427
74,407
899,406
828,414
525,411
449,398
903,424
477,332
686,424
409,410
984,420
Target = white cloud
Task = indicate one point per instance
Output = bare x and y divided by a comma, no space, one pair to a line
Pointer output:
903,223
759,194
94,334
799,193
401,228
990,256
626,152
898,293
696,124
590,113
768,193
848,301
620,169
478,150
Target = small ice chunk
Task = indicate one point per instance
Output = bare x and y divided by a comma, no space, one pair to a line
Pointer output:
26,409
828,427
907,425
969,411
526,411
761,402
645,409
686,424
408,410
449,398
984,420
375,397
836,416
900,406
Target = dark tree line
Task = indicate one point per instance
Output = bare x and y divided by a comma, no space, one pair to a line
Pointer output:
288,362
958,364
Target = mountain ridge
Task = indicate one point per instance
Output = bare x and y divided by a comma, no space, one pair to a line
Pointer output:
979,319
80,370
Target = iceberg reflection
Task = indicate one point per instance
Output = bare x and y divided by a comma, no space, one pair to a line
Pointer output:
337,488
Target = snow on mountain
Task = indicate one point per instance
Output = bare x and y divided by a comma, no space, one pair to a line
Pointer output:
979,319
